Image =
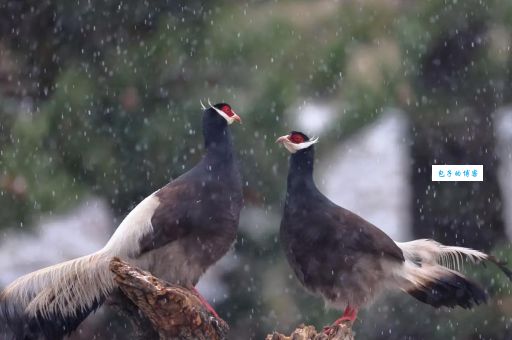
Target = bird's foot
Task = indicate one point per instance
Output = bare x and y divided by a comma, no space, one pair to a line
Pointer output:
211,310
206,304
328,330
332,329
349,316
343,319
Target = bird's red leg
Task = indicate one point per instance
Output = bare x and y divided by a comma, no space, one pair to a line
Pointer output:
350,314
205,303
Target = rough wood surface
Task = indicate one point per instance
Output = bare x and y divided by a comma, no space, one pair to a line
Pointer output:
342,331
174,312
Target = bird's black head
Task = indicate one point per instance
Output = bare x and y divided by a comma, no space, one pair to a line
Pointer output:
216,119
296,141
302,159
221,110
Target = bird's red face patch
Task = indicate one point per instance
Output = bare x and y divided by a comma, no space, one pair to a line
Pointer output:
227,110
296,138
296,141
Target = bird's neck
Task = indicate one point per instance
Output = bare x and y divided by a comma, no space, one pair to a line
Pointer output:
219,146
300,174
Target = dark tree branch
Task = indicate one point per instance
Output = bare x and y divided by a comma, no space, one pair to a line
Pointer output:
173,312
159,310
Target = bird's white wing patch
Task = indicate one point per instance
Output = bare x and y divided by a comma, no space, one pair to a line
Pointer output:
125,240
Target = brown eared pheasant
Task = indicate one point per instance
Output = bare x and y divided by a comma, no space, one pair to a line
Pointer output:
348,261
176,233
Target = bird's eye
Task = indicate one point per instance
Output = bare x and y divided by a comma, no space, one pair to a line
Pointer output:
227,110
296,138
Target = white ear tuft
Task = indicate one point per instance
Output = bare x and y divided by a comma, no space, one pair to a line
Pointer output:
222,113
313,140
202,105
307,144
294,147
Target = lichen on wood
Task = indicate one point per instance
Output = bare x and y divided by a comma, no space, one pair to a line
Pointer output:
342,331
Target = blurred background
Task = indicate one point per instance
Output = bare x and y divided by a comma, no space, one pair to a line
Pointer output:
99,106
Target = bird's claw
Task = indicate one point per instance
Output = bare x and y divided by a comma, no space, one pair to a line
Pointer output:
220,325
328,330
214,321
334,328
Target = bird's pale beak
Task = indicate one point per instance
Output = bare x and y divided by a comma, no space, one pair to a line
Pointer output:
282,139
237,117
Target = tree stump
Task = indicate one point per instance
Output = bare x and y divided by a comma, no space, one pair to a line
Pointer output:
159,310
342,331
174,312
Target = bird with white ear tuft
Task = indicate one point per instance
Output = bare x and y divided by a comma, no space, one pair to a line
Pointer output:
349,261
176,233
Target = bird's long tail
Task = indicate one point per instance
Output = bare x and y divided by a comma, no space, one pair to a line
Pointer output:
53,301
431,274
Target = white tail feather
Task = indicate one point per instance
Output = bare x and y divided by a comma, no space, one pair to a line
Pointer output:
432,252
64,294
62,289
69,288
420,276
430,274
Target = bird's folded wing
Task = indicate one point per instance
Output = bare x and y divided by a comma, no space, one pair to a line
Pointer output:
361,235
170,218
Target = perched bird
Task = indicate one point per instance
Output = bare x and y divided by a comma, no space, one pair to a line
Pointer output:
176,233
348,261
